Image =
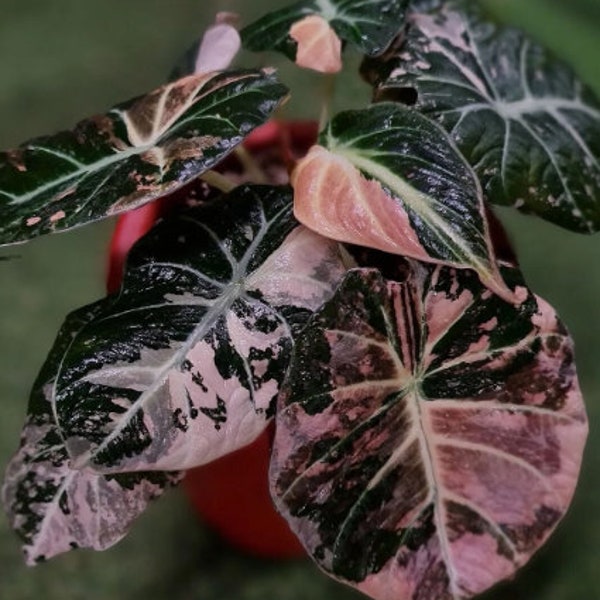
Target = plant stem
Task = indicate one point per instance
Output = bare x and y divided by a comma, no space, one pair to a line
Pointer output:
218,181
252,168
328,92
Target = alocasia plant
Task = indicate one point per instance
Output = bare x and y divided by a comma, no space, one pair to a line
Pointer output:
429,424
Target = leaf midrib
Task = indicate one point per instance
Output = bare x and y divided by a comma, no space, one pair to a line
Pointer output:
90,168
425,429
208,320
419,202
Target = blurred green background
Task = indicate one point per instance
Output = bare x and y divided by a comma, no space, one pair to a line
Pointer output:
66,59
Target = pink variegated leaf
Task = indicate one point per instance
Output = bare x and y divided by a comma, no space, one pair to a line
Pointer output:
312,32
138,151
525,121
53,507
184,364
429,434
389,178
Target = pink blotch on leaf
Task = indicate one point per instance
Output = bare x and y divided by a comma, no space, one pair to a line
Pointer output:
332,198
57,216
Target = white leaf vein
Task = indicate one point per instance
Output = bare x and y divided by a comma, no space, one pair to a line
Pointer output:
459,444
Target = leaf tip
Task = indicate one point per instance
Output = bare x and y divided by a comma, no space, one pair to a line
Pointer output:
319,47
495,283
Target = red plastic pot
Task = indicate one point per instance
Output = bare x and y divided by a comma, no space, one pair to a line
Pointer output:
231,494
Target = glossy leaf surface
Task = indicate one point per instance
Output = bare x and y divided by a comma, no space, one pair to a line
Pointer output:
53,507
391,179
523,119
429,434
184,364
369,26
138,151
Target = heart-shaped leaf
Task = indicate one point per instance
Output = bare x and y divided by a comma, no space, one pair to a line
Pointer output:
138,151
184,364
391,179
527,124
429,434
53,507
311,31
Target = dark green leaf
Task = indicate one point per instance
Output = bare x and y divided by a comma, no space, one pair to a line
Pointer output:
368,26
429,434
138,151
53,507
389,178
527,124
184,364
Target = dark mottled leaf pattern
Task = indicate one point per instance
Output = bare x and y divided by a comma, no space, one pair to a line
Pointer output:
138,151
184,364
389,178
369,26
523,119
53,507
429,434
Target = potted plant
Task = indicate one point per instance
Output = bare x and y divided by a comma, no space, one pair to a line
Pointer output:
428,419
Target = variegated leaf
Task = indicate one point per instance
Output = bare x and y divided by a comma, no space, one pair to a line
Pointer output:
184,364
311,31
527,124
429,434
53,507
138,151
389,178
